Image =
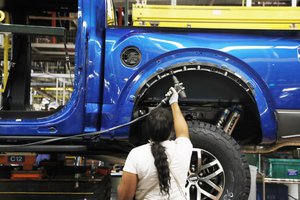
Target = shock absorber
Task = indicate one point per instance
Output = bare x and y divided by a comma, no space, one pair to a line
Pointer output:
223,118
233,119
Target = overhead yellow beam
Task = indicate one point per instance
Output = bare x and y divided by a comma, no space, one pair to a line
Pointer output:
275,18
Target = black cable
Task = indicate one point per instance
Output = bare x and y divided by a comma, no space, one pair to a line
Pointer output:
85,134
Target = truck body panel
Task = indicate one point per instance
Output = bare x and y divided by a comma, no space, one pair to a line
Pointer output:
242,87
267,66
106,91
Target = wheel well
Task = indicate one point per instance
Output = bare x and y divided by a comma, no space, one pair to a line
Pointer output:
210,90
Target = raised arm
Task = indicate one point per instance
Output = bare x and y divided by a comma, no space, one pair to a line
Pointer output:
180,125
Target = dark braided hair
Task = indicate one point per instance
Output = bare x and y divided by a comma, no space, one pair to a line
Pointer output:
159,125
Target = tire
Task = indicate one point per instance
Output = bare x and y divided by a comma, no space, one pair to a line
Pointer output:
218,169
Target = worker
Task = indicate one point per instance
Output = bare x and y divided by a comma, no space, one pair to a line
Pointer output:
158,169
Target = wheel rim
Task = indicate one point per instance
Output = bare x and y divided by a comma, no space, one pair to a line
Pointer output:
206,177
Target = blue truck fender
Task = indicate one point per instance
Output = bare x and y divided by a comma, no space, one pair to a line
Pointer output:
193,56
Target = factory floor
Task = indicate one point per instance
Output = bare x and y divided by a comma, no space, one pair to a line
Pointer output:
56,179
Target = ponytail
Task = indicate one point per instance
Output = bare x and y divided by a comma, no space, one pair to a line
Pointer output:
159,125
162,167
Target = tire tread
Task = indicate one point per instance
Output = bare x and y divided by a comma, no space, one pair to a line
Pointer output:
231,145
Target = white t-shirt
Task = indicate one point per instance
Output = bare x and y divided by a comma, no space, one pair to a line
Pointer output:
140,161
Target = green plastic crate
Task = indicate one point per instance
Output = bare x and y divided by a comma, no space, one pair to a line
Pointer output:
284,168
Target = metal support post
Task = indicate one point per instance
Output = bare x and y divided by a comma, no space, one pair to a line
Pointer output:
64,91
264,186
126,9
56,92
298,190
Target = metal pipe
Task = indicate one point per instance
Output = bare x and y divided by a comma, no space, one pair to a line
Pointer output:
56,92
33,30
259,163
78,160
64,92
264,187
52,18
270,149
53,24
126,10
51,75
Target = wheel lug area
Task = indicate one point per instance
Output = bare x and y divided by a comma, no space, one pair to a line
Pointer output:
193,168
193,178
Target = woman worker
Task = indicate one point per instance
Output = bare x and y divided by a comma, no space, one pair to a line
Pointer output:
158,170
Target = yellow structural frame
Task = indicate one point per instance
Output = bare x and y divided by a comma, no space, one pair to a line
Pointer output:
6,46
227,17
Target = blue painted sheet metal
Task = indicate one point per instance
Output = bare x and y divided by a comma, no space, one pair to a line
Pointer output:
70,119
270,63
104,87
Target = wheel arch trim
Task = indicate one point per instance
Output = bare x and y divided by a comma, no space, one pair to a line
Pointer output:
220,63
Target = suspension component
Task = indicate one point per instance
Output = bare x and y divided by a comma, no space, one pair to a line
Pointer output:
78,160
233,119
223,118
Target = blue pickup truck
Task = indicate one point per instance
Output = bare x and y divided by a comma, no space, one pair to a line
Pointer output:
242,87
